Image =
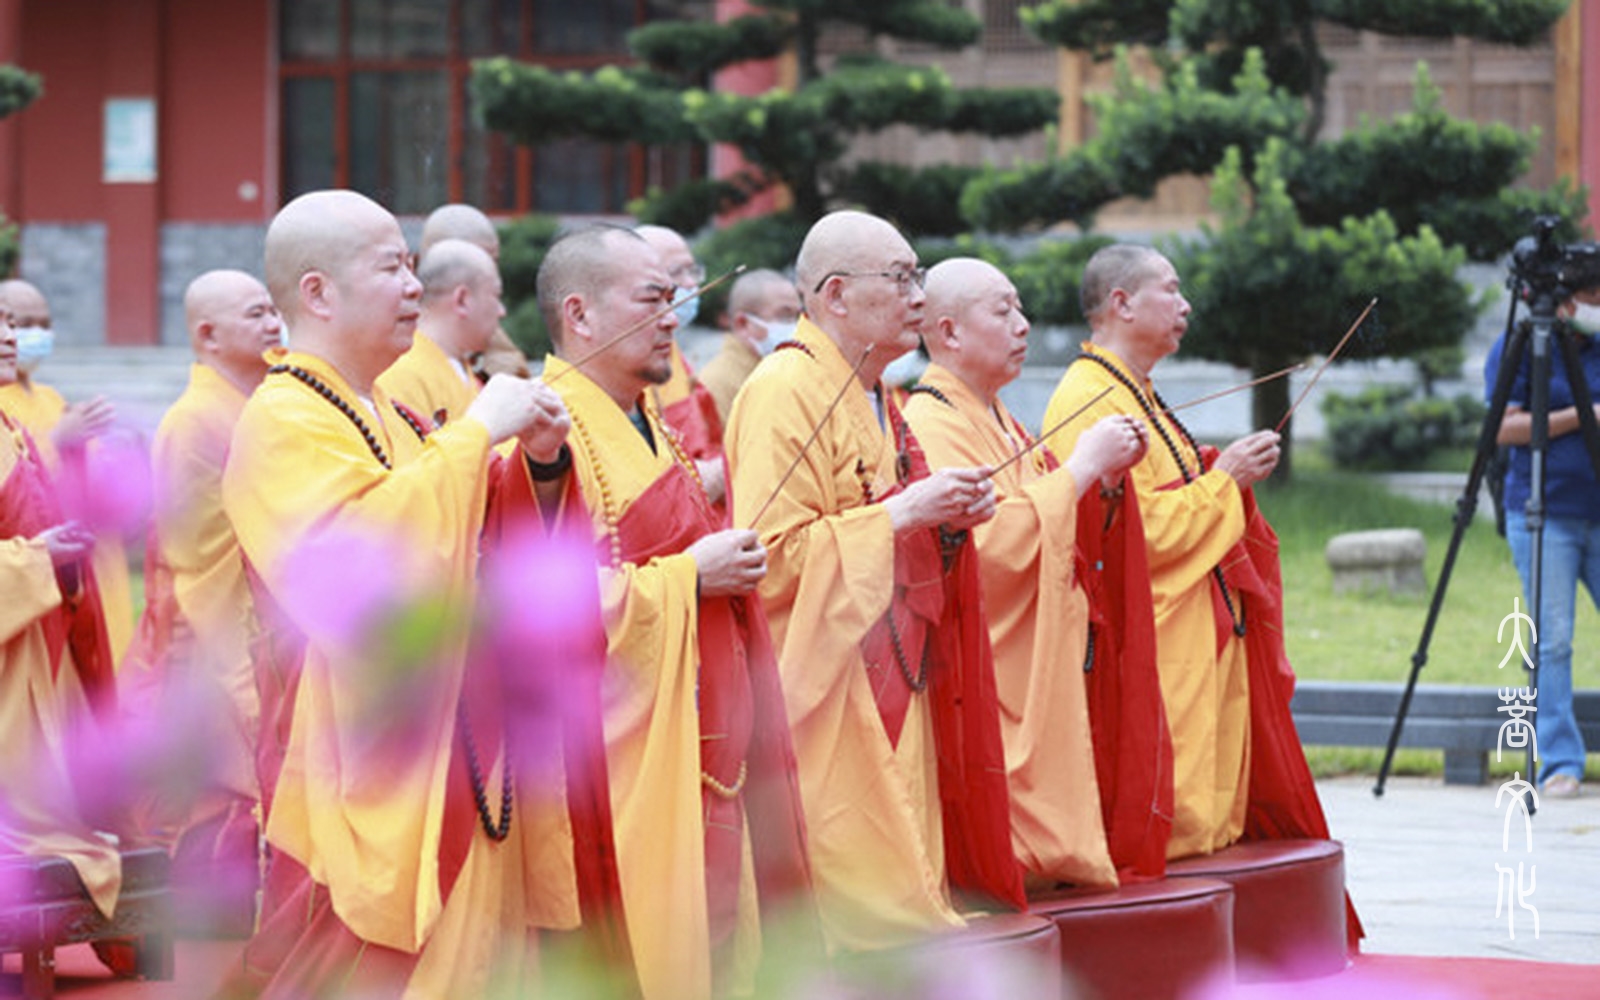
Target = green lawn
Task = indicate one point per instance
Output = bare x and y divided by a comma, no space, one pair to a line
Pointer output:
1371,637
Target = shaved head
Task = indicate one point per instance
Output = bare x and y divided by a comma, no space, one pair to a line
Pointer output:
461,222
320,231
577,264
232,323
845,241
753,288
449,264
26,304
955,284
1122,265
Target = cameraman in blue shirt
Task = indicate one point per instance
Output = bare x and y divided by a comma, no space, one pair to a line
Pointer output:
1571,535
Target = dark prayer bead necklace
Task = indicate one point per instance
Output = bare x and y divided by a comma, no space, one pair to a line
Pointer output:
1235,614
496,831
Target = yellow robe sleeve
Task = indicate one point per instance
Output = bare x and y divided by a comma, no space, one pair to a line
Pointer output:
361,797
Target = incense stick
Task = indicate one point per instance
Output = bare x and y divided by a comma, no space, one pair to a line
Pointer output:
854,373
1041,438
1280,373
1339,347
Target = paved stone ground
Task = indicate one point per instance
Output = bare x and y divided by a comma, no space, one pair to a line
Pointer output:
1420,865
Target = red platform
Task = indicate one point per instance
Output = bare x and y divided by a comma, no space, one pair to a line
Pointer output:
1150,941
1016,953
1288,906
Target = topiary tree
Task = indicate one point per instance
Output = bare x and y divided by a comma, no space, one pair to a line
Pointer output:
18,89
794,139
1309,230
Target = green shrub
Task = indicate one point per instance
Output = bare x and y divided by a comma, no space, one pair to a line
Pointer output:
523,244
1391,427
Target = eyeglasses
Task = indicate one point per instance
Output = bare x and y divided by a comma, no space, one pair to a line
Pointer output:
688,275
904,278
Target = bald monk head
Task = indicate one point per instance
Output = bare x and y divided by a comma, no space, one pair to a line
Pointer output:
232,323
460,222
594,285
336,265
461,307
861,286
762,308
974,327
30,321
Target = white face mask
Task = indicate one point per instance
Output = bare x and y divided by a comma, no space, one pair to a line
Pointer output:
1585,317
34,344
777,333
905,370
685,308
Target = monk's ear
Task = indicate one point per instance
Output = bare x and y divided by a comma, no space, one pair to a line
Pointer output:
317,294
205,337
831,297
460,299
575,316
944,333
1119,303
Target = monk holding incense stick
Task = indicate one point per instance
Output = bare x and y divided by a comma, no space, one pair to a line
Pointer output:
871,590
1197,510
1215,584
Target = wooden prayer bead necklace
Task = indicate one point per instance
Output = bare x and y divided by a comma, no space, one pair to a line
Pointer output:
496,831
1235,614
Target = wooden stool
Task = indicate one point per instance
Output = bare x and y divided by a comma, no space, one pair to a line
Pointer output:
1146,941
53,908
1288,909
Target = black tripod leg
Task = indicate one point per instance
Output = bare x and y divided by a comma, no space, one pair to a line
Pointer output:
1466,508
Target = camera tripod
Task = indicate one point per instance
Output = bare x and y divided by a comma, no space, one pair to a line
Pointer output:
1535,336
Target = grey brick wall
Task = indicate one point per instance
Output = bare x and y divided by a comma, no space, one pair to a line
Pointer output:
188,250
68,263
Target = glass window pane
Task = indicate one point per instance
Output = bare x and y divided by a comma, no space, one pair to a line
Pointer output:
580,176
399,128
399,29
491,27
310,29
488,164
591,26
310,152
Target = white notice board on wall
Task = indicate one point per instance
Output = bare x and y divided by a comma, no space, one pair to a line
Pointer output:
130,140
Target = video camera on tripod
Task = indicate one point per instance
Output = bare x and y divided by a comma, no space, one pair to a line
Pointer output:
1541,266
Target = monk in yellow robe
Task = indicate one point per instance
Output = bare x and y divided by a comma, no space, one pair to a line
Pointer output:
1194,514
461,309
64,433
191,651
352,512
465,222
763,308
704,798
1038,613
873,628
55,664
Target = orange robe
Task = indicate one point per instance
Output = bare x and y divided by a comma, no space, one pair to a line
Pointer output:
55,666
1038,620
193,640
861,733
426,380
724,374
38,408
404,885
704,802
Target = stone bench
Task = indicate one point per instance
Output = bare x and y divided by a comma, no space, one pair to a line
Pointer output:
51,908
1386,559
1460,720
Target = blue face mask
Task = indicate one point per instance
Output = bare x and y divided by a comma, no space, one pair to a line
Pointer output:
685,308
34,344
778,331
1586,317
